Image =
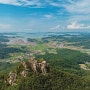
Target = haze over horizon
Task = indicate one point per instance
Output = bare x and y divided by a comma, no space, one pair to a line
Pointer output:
44,16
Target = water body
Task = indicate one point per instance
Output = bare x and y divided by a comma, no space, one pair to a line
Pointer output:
25,35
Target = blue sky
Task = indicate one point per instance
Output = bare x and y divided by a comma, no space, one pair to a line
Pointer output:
44,15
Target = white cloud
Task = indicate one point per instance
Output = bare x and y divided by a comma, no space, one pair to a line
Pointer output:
5,26
79,6
75,25
73,6
78,10
12,2
55,28
55,4
22,2
87,27
48,16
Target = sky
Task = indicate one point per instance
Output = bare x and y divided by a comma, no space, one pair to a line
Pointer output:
44,15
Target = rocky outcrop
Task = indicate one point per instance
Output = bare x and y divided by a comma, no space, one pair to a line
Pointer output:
24,65
12,78
25,68
39,66
24,73
44,67
34,65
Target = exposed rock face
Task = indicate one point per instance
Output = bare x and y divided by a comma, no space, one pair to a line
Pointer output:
24,73
24,65
12,78
43,67
34,65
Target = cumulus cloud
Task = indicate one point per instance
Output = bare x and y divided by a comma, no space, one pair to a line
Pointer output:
75,25
5,26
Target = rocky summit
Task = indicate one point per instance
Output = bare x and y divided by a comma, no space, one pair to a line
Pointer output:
30,66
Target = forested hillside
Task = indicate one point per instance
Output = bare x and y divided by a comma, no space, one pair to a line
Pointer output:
67,69
66,59
54,79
